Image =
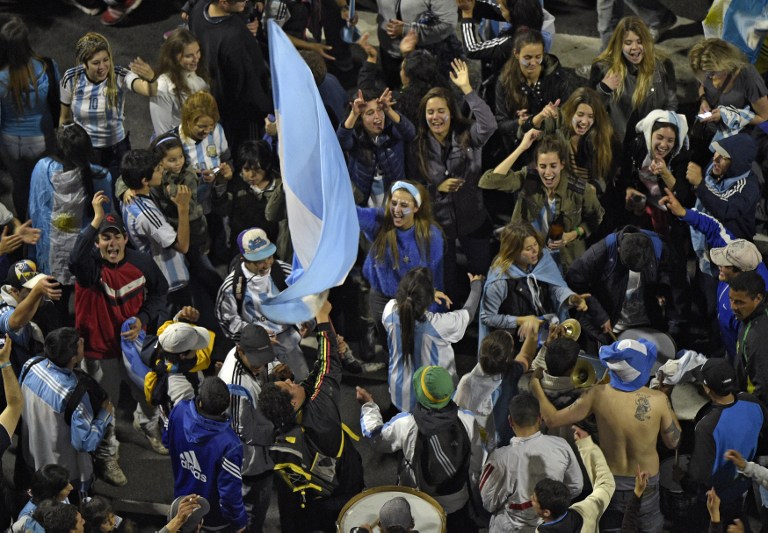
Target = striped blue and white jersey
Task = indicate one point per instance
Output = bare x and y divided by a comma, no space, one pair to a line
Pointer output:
207,154
151,233
47,435
433,338
88,101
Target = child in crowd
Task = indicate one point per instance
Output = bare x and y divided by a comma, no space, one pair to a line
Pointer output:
488,387
147,227
258,199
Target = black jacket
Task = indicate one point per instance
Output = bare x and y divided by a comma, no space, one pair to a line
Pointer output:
601,273
752,353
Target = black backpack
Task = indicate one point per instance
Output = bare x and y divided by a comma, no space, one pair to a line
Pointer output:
440,463
309,474
85,385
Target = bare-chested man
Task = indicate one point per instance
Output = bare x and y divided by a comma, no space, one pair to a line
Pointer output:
629,416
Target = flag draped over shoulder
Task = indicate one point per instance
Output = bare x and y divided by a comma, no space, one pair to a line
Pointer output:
318,191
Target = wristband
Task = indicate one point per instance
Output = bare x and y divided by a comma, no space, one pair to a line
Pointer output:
579,232
5,365
702,97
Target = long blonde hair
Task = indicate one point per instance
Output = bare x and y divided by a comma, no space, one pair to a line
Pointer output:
88,46
613,57
512,240
715,55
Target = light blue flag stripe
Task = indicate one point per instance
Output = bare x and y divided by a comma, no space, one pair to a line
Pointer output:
319,201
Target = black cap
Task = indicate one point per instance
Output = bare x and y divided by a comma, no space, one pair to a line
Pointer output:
256,345
719,375
111,221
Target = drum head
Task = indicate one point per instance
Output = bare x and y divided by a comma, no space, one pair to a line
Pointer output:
363,508
687,401
665,346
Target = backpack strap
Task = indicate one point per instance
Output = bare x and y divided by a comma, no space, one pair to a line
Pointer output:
239,283
278,277
73,400
25,370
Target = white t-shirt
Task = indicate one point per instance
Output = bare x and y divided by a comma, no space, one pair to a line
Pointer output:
165,107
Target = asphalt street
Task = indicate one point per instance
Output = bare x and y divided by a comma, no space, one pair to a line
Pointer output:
56,27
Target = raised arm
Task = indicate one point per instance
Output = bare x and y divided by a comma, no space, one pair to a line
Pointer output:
10,416
576,412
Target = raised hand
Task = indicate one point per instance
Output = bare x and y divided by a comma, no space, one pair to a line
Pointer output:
385,100
99,199
9,243
142,69
409,42
460,76
372,55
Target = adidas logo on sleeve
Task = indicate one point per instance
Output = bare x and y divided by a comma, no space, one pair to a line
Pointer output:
189,462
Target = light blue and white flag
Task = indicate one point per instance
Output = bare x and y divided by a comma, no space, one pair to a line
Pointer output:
318,191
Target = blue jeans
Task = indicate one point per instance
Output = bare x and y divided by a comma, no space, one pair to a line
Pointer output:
19,155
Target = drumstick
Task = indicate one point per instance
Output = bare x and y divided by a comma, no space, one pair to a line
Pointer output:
613,336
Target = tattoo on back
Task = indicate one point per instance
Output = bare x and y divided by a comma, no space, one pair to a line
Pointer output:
643,407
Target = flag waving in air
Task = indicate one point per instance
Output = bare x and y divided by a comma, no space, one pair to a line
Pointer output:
318,191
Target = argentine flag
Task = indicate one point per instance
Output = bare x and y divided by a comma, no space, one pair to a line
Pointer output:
318,191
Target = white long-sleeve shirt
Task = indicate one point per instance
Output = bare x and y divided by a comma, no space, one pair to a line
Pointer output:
400,433
165,107
511,473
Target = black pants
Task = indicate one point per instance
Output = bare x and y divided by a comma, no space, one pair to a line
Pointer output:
111,157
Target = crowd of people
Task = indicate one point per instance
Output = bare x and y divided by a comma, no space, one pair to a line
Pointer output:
583,225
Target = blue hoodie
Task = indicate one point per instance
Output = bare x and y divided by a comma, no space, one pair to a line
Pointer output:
731,199
717,236
206,457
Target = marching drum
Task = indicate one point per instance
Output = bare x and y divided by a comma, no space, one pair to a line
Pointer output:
687,401
363,508
665,345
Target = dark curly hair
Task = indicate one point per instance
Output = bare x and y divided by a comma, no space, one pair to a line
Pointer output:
275,404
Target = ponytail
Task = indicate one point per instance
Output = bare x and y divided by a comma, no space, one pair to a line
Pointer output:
415,293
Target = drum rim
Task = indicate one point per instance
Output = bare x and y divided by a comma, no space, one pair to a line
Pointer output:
392,488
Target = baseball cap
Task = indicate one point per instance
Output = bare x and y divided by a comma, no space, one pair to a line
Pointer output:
739,253
433,386
196,516
629,363
111,221
181,337
255,343
24,274
255,245
396,513
717,374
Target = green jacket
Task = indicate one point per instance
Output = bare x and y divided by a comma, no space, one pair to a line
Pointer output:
576,199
